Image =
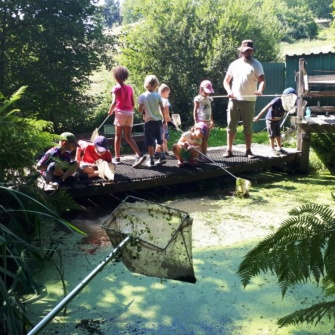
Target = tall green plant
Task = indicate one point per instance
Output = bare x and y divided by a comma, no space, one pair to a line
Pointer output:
303,248
24,211
21,219
20,139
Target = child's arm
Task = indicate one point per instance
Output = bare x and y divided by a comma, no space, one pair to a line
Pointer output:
264,110
162,112
132,99
112,106
195,109
166,112
80,150
141,108
182,141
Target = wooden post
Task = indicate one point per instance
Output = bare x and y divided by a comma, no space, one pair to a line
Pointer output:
303,138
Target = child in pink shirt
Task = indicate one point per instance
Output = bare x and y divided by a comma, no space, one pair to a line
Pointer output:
123,106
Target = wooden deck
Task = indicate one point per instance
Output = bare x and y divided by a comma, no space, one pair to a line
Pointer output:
130,179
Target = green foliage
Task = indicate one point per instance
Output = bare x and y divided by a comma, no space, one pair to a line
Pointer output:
20,139
111,13
131,11
183,42
321,144
320,8
21,218
299,23
51,47
301,249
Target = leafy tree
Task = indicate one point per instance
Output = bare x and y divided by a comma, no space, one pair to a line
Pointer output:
131,11
51,47
320,8
298,22
303,248
184,42
111,13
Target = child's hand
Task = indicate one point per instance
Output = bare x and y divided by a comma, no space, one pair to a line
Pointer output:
111,112
256,118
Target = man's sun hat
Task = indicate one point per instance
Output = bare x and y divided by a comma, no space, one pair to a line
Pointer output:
246,45
202,126
101,143
69,137
207,86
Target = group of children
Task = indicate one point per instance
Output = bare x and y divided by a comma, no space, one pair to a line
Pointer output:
95,159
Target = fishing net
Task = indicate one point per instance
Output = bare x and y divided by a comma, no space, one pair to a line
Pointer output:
176,121
288,102
161,243
242,187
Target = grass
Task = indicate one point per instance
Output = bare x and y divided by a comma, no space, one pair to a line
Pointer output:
324,42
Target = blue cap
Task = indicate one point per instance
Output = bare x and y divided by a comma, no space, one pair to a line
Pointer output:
289,90
101,143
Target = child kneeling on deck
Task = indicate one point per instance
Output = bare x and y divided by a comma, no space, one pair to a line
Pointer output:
95,159
56,165
188,148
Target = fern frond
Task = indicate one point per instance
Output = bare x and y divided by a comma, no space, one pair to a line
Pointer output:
328,286
311,315
297,251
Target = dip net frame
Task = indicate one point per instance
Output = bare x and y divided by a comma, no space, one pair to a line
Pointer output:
161,243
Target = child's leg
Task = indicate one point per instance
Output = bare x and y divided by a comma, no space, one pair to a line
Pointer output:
88,172
204,144
278,140
74,166
272,143
130,140
177,151
117,141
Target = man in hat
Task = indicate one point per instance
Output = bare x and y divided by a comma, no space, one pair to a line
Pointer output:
241,81
56,164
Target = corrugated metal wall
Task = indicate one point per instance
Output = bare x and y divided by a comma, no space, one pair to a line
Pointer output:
315,64
282,75
275,84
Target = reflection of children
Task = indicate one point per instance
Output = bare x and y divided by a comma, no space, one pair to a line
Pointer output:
164,91
202,111
151,102
275,112
184,150
89,153
56,165
123,105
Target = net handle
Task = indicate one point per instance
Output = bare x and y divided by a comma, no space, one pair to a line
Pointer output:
253,96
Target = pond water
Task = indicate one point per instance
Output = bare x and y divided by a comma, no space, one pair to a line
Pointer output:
190,198
224,230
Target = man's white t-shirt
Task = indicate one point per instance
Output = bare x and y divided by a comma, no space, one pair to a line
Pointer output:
245,78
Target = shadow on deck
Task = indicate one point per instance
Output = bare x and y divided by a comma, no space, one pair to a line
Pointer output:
130,179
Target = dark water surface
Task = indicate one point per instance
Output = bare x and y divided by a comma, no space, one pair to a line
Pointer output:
190,198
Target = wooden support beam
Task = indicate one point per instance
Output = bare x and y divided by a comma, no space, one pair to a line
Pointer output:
317,94
304,156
